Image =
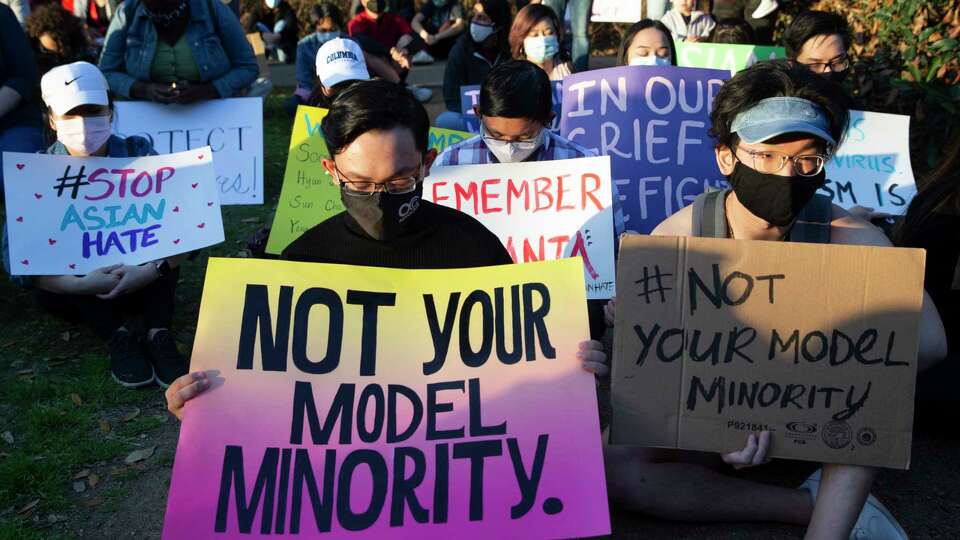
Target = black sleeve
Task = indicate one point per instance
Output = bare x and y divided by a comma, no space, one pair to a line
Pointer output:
453,75
19,70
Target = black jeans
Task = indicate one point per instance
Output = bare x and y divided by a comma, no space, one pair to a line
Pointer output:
153,305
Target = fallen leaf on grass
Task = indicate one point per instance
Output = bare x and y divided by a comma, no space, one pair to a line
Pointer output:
104,426
140,455
29,506
75,398
9,344
65,336
250,220
23,372
7,436
90,503
82,474
79,486
93,480
163,418
56,518
131,415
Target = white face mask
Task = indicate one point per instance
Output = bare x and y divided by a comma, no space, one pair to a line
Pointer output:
649,60
85,135
480,32
272,4
512,152
540,48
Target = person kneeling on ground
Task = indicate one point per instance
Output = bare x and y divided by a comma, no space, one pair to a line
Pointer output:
775,125
107,299
377,134
199,51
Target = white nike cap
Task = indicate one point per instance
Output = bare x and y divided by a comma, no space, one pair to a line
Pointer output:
71,85
341,60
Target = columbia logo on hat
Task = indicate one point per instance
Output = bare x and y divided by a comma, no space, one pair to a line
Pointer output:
341,60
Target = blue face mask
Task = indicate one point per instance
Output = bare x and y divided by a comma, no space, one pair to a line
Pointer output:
327,36
541,48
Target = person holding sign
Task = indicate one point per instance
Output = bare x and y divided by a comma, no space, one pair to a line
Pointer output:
472,57
536,36
647,43
819,40
80,112
687,23
775,125
177,51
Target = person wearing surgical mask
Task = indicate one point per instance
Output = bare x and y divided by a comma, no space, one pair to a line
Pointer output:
277,24
112,301
536,35
484,45
647,43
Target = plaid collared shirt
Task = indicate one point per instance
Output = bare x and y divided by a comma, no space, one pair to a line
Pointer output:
474,151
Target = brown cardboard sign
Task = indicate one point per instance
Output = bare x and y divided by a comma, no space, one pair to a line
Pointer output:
816,343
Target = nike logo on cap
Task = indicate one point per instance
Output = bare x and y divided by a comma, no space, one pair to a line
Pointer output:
68,83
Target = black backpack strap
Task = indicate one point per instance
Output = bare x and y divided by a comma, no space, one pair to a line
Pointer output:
130,149
709,215
813,223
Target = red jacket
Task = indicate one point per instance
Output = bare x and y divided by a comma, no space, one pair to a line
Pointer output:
387,29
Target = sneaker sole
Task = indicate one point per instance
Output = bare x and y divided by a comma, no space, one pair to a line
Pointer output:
134,384
873,501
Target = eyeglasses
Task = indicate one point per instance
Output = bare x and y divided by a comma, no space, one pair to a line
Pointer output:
770,162
396,186
840,63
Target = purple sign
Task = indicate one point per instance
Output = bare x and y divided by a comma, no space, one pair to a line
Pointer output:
470,96
652,122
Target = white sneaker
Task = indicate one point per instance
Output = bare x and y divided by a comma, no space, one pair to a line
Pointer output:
765,8
422,94
422,57
875,521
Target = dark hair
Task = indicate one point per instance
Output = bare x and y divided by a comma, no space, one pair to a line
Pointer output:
65,29
939,194
374,105
811,24
517,89
732,30
527,18
319,99
326,10
775,78
499,13
635,29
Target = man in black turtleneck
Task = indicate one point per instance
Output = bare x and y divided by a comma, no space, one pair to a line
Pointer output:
377,134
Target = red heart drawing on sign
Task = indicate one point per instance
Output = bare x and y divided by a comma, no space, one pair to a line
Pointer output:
51,241
37,195
210,203
200,156
194,186
20,166
25,262
176,208
200,226
177,241
20,219
72,266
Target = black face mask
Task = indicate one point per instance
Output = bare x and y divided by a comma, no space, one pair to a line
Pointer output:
839,76
775,199
384,216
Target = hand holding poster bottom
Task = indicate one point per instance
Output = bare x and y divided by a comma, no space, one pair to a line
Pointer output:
369,402
69,215
815,343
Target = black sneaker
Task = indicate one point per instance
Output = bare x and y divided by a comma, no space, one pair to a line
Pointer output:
168,363
128,365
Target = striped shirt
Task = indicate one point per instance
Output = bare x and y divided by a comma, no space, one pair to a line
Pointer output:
474,151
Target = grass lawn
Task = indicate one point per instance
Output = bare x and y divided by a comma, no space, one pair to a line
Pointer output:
58,404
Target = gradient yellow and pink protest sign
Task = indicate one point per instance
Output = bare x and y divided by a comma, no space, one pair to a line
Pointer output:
371,402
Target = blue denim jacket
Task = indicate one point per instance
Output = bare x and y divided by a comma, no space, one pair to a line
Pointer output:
116,147
220,48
